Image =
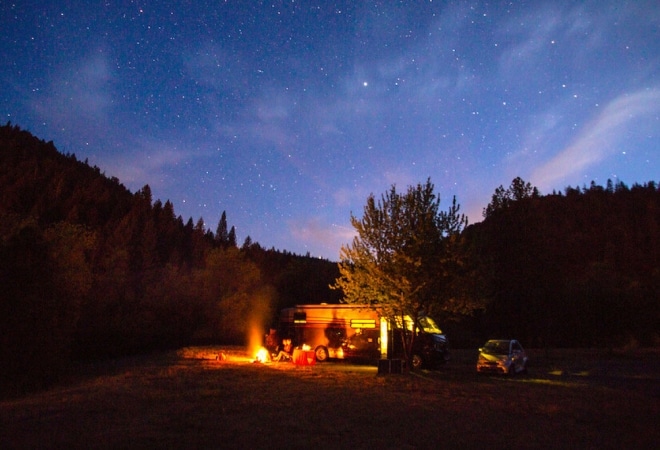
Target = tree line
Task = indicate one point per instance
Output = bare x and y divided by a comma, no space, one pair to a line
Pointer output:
90,270
579,268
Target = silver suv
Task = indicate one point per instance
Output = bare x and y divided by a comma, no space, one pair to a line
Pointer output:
505,356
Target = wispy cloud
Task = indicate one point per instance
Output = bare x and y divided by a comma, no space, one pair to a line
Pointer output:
525,39
345,196
600,138
79,97
147,162
318,236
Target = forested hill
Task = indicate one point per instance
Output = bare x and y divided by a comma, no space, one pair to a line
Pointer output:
90,269
574,269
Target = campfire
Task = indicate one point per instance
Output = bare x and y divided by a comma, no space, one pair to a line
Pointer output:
262,356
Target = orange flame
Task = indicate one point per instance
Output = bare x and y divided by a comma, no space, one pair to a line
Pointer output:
262,355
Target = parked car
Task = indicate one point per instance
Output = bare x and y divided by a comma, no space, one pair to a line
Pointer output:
505,356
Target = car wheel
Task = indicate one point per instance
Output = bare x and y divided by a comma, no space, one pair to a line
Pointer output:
417,362
321,354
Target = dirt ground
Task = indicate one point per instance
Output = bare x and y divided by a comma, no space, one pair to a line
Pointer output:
190,399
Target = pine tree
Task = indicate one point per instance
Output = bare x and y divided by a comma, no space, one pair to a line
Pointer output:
231,237
221,234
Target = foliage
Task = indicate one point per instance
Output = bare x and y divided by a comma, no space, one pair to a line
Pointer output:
580,269
400,261
91,270
503,198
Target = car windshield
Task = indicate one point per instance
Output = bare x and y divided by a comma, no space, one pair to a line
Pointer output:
428,325
496,347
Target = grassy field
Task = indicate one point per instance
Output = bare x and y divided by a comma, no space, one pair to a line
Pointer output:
188,399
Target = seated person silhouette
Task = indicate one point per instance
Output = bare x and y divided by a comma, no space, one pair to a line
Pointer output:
285,353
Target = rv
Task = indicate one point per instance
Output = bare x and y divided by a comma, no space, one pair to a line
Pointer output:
358,331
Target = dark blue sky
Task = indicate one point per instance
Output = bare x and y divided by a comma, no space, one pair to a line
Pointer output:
288,114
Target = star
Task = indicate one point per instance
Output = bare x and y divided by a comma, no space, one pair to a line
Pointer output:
256,109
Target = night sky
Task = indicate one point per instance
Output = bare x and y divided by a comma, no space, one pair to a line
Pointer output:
288,114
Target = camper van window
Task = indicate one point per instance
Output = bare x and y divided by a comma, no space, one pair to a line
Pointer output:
363,323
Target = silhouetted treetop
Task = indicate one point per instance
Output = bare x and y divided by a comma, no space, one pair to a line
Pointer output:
502,198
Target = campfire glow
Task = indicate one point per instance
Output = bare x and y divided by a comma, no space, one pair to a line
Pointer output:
262,356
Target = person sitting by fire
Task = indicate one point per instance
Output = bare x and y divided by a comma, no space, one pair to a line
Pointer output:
285,353
271,342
